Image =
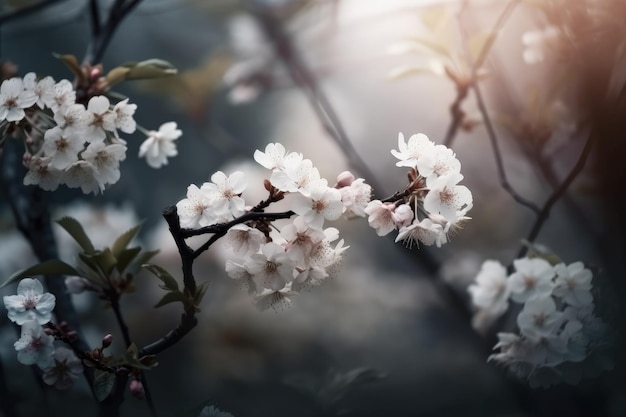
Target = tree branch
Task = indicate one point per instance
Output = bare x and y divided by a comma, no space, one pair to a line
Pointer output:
544,213
27,10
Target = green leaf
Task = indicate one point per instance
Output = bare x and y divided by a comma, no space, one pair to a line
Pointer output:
144,257
123,240
169,283
200,293
133,351
51,267
172,297
103,384
105,260
126,257
150,68
74,228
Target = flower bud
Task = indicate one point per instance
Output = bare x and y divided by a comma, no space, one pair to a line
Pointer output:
402,216
75,285
345,179
107,340
136,389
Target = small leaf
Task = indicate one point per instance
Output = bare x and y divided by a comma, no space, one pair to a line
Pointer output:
133,351
172,297
123,240
150,68
103,384
144,257
168,281
200,293
51,267
74,228
71,62
149,361
105,260
126,257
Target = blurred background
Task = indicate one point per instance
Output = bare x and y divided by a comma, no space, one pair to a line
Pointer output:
391,333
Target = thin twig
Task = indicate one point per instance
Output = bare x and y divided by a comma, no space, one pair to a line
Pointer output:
544,213
462,89
94,18
493,138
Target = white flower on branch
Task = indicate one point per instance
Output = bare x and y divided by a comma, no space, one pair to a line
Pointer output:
98,119
62,147
66,369
380,217
491,290
573,284
106,160
272,268
447,198
532,278
224,194
14,99
35,347
409,152
41,173
30,303
43,89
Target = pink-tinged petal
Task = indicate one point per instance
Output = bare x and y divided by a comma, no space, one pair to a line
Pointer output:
29,284
14,302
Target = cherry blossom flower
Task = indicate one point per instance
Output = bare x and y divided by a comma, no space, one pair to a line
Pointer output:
402,215
573,284
239,272
43,89
274,156
447,198
14,99
301,238
160,145
409,153
244,240
30,303
296,176
536,43
272,267
98,119
322,203
380,217
106,159
35,347
224,194
62,148
355,196
83,174
66,369
425,231
124,116
491,292
41,173
64,96
73,118
326,257
278,299
194,210
539,318
532,278
437,162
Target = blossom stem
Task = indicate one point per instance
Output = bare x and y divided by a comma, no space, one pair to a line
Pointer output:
462,89
544,213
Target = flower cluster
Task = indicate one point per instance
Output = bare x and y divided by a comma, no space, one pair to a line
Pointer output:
558,329
277,262
32,308
71,143
433,203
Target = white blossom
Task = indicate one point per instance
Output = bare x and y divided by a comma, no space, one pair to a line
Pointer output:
272,267
124,120
409,153
160,145
573,284
106,159
448,198
244,240
64,96
83,174
14,99
41,173
437,162
43,89
194,210
66,369
532,278
35,347
539,318
296,176
355,197
62,147
224,194
321,203
425,231
30,303
73,118
491,292
274,156
98,119
380,217
278,299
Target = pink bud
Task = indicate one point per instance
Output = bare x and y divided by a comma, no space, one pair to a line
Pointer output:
344,179
136,389
107,340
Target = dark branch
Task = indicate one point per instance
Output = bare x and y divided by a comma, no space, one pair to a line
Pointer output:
558,193
94,18
27,10
496,153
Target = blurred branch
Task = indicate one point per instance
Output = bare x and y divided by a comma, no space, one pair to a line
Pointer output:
504,182
27,10
103,33
94,15
304,78
543,215
7,404
462,88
